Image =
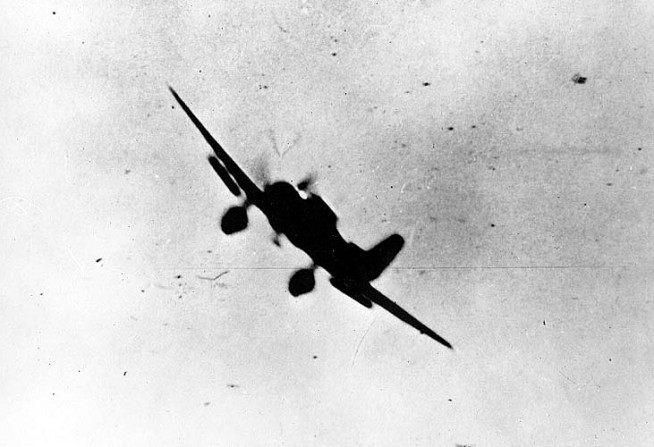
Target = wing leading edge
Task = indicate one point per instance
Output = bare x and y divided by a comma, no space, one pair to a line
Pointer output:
381,300
251,190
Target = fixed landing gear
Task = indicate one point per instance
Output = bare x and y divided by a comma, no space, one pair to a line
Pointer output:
234,220
303,281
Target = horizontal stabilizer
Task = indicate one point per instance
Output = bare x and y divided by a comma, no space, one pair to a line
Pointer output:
382,254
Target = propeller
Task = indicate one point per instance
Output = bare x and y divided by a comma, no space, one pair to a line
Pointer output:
308,183
261,171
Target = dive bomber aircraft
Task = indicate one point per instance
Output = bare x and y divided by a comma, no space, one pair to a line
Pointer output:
309,224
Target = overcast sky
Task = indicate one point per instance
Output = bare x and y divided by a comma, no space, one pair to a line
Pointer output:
509,142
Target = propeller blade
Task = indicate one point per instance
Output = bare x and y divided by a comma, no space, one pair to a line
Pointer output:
307,183
262,170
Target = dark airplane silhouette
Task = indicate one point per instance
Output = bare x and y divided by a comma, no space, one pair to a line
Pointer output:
309,224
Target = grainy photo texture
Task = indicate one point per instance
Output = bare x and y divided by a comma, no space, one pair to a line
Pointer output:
326,223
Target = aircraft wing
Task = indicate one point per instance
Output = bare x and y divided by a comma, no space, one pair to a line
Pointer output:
251,190
381,300
224,175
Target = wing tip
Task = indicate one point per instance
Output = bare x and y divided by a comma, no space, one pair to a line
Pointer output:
439,339
446,344
174,93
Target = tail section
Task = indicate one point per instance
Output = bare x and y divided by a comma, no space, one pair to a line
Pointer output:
382,254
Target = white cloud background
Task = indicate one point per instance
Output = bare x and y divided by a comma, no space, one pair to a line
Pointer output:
528,224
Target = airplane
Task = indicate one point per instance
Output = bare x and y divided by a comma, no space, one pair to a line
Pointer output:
309,224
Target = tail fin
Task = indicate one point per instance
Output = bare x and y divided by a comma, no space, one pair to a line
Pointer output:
382,254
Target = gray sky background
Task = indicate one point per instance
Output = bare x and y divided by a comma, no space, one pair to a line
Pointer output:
525,199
